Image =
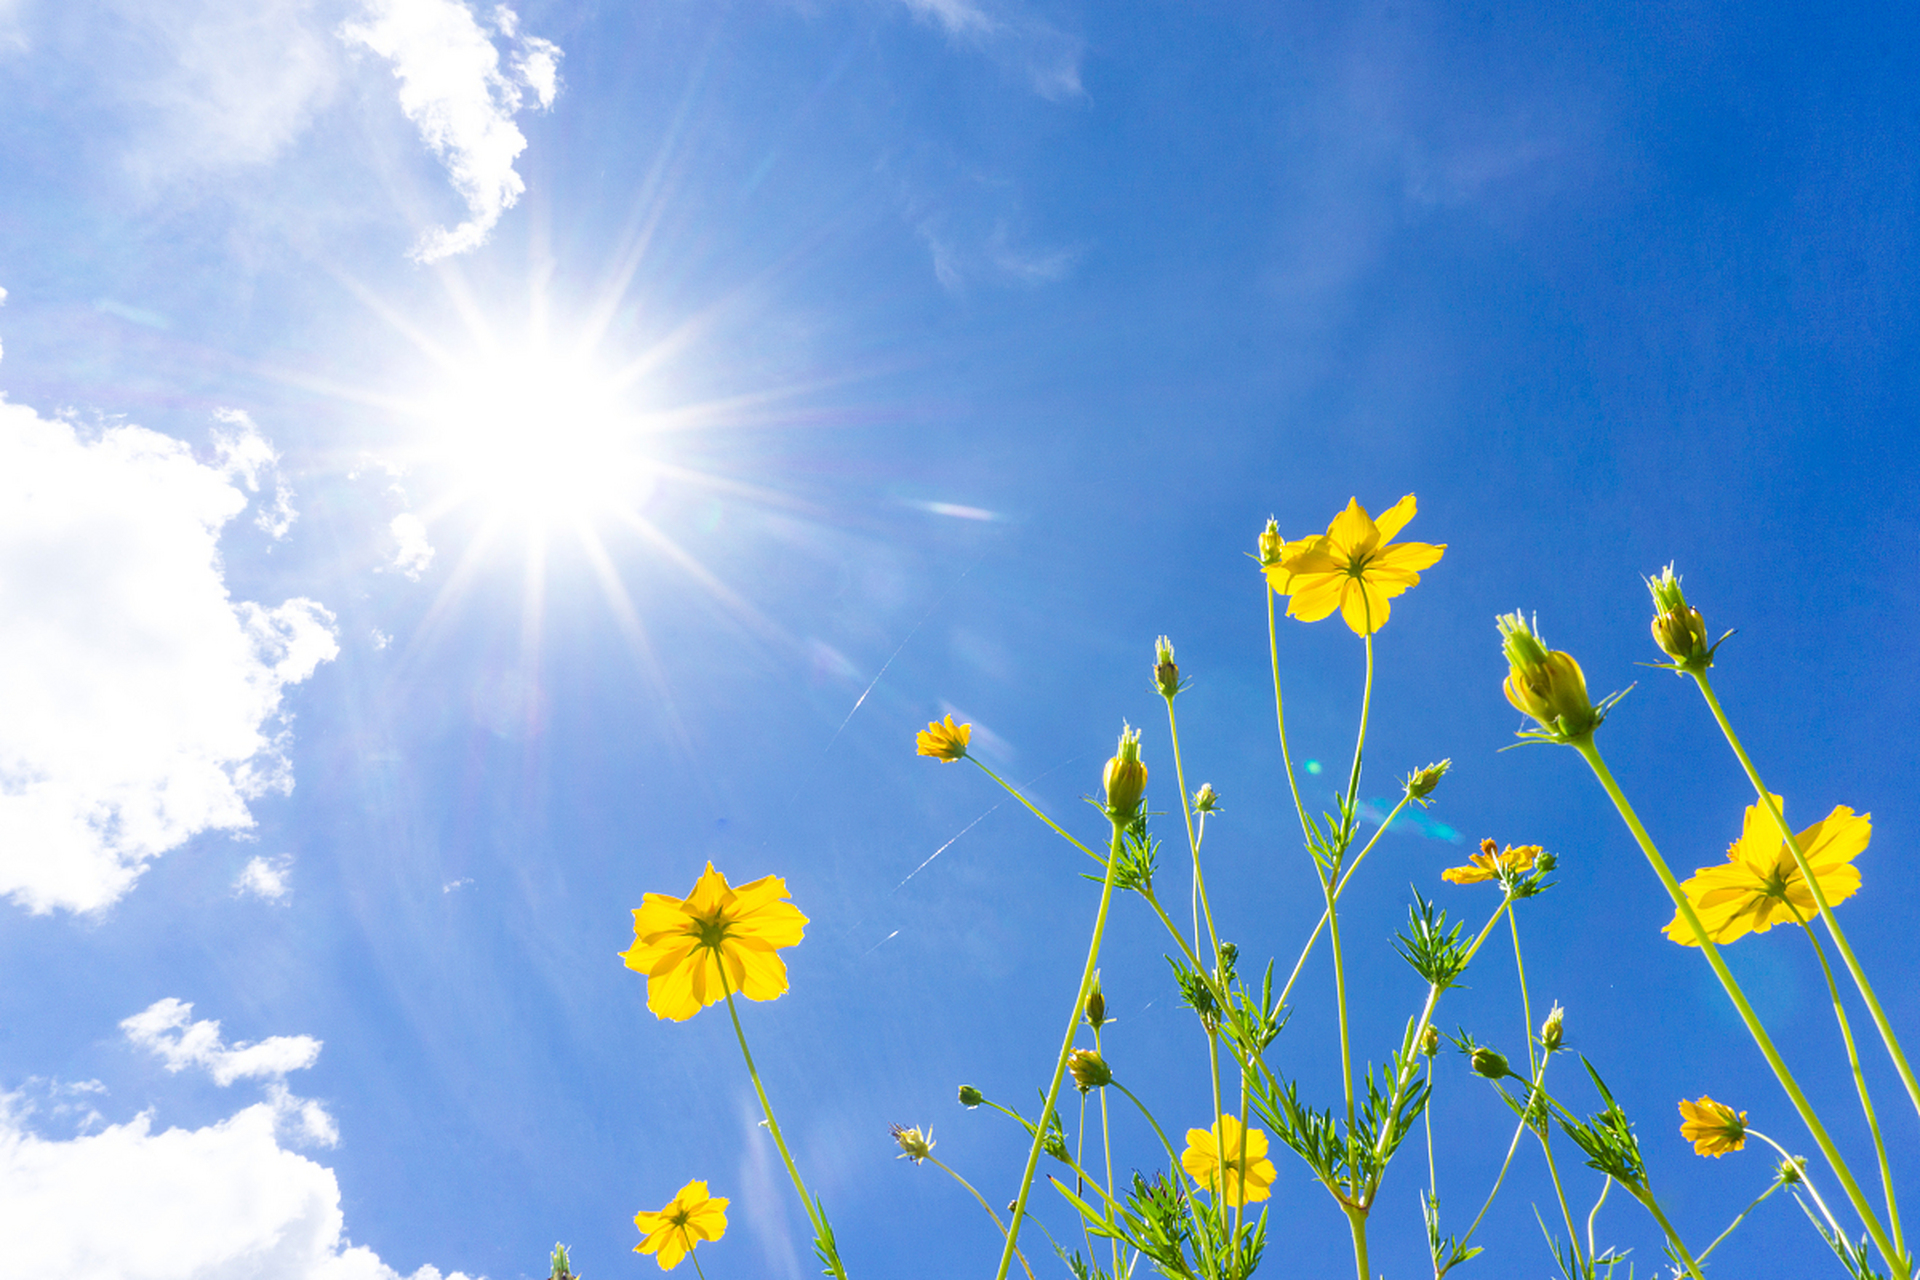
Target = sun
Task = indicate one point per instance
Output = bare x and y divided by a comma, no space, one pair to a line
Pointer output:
533,438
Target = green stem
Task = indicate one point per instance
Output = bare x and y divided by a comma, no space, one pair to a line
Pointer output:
1673,1237
1280,715
773,1127
1859,1084
1015,793
1066,1045
694,1259
1538,1068
1591,754
983,1204
1106,1144
1193,840
1858,974
1805,1181
1357,1223
1338,889
1771,1188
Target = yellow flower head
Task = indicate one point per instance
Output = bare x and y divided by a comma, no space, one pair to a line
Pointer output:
1714,1128
1354,567
1760,885
1491,865
671,1233
946,741
694,950
1248,1171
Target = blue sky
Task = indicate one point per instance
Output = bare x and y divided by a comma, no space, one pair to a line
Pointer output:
466,467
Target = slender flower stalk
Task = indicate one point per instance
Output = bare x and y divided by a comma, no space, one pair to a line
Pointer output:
823,1233
1892,1042
1894,1256
983,1204
1860,1086
1066,1045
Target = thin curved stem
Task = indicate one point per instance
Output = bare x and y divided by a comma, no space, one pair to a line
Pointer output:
1338,889
1280,715
1771,1188
821,1234
1859,1083
983,1204
1066,1045
1880,1022
1808,1116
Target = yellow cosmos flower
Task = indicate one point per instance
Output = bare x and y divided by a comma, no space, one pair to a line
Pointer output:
1354,567
1201,1159
943,741
681,944
671,1233
1489,865
1760,885
1714,1128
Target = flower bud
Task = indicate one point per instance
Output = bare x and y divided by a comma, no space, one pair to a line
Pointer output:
1420,785
1430,1042
1550,1032
970,1096
1545,684
562,1264
1096,1006
1125,778
1166,672
1272,545
1088,1069
1678,628
914,1145
1206,799
1490,1063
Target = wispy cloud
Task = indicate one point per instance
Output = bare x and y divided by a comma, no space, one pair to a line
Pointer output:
218,83
167,1029
455,91
144,705
1047,56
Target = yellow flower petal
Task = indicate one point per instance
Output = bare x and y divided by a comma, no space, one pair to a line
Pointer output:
1391,521
1353,532
1364,606
1760,884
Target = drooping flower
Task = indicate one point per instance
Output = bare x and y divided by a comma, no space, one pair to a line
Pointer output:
1354,567
943,741
682,944
1491,865
692,1216
1760,885
1088,1069
1207,1147
1714,1128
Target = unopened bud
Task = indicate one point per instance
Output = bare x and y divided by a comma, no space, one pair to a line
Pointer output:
1096,1007
1420,784
1550,1032
1678,628
1430,1042
1206,799
1125,778
1166,672
1088,1069
1490,1063
970,1096
1545,683
1272,545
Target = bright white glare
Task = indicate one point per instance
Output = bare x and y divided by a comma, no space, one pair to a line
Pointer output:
538,440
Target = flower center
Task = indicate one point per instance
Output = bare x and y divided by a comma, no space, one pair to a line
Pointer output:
712,930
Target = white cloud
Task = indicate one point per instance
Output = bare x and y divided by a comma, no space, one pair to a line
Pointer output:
244,454
265,877
224,1202
453,90
412,552
166,1028
143,705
